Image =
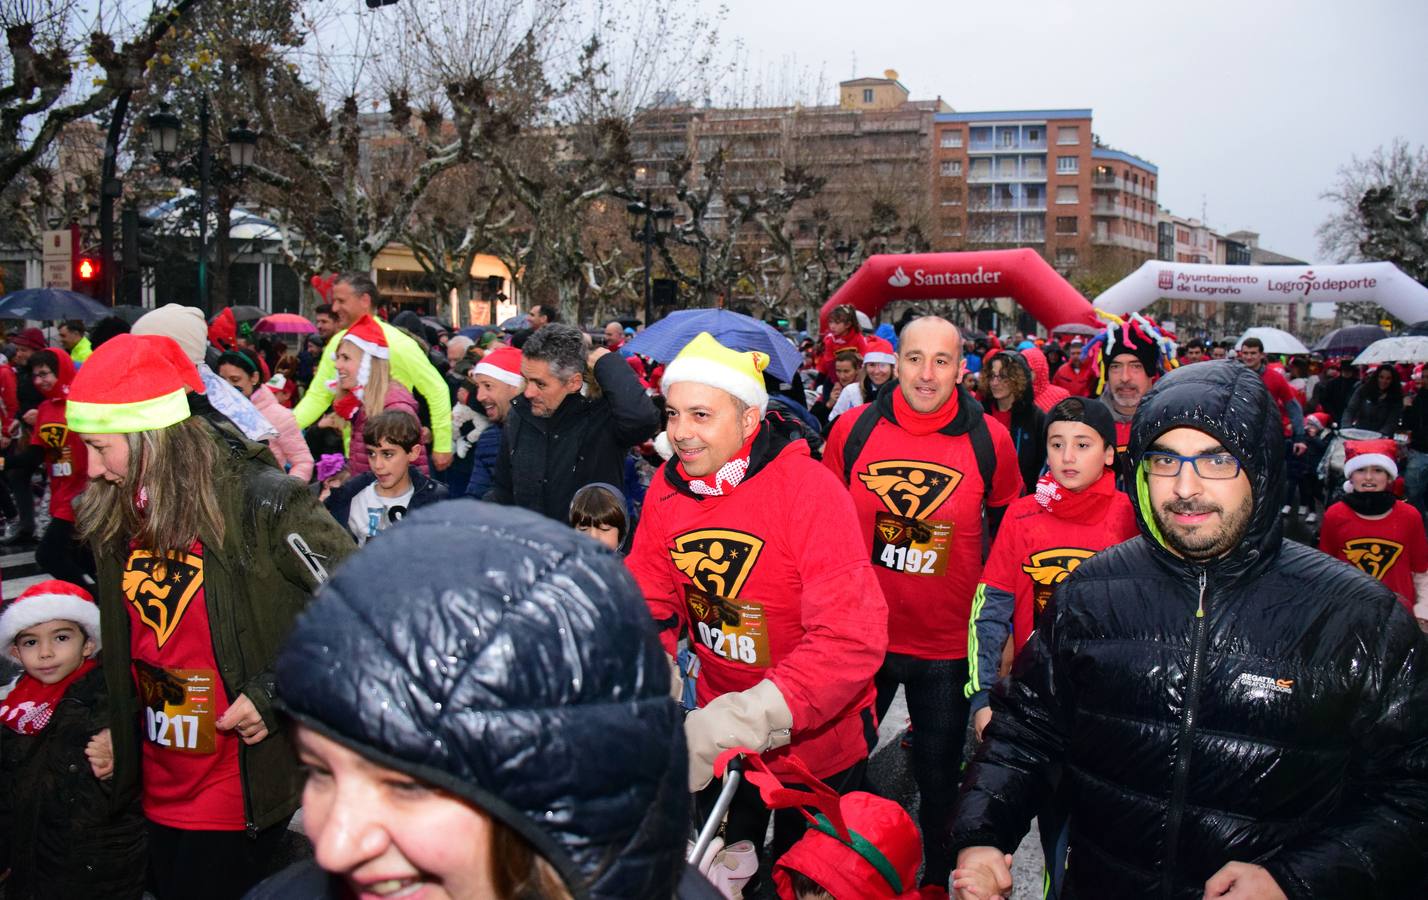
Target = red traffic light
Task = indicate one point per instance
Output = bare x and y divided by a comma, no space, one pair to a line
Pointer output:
87,269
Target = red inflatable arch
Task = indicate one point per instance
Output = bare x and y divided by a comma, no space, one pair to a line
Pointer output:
1020,274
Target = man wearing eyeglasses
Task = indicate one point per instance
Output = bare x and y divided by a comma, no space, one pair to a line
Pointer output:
1231,714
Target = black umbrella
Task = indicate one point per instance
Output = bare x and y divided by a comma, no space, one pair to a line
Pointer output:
128,312
241,314
51,305
1349,340
1417,329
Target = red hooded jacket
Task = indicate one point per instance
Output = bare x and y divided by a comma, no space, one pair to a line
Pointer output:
65,454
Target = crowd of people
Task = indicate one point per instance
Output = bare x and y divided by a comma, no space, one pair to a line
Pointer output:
271,588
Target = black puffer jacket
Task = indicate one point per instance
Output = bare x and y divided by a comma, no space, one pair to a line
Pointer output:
1283,727
520,672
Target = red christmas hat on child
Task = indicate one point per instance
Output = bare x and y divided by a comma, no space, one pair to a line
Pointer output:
504,365
134,382
45,602
1382,452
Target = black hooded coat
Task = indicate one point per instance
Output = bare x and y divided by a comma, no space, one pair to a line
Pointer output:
1265,707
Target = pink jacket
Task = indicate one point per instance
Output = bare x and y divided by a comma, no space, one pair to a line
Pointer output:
289,447
398,397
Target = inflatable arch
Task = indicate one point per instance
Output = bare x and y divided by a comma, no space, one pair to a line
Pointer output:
1380,282
1020,274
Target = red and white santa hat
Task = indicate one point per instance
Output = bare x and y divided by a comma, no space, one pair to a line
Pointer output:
879,351
1362,454
45,602
504,365
368,336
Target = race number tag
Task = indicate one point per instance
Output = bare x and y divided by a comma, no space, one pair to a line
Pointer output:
61,469
731,629
913,546
178,707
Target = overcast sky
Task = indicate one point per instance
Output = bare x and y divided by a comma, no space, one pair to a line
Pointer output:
1247,107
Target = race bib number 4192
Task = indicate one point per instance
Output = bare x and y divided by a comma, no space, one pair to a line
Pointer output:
733,630
912,546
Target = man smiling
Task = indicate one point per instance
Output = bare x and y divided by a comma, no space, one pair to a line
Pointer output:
1232,714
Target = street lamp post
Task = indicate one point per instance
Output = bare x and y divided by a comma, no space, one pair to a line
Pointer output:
649,225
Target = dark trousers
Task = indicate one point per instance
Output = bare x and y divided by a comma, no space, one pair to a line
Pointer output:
938,707
209,865
17,477
59,554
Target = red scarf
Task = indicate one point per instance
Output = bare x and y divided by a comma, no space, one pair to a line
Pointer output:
31,702
1087,505
920,424
727,477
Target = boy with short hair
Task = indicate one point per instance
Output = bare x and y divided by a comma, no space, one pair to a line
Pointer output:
374,501
58,834
1376,532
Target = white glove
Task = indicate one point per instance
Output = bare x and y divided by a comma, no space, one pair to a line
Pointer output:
1420,595
758,718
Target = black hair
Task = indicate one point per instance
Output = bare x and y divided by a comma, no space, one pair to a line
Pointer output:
106,329
1252,343
394,426
45,358
362,283
595,505
1196,343
803,886
74,325
237,359
324,309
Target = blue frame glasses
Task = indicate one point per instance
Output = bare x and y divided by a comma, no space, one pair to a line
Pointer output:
1210,466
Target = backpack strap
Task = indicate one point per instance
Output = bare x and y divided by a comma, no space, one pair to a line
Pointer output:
982,446
978,432
858,437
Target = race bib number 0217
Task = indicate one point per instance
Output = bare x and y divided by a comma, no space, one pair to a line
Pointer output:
733,630
912,546
178,707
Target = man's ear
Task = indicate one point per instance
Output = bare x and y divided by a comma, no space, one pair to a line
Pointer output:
752,418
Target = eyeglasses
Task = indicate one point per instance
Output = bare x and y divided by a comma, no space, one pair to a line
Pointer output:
1210,466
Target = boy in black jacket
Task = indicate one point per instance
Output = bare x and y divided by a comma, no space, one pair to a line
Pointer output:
61,835
371,503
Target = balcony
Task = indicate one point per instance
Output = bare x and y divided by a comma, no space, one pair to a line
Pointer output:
1108,182
1123,240
1100,208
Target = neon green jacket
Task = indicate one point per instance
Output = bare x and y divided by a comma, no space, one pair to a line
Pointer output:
81,350
410,366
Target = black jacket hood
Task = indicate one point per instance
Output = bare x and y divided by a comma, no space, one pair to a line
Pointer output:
508,659
1229,401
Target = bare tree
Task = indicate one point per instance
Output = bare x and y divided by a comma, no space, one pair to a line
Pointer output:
1398,167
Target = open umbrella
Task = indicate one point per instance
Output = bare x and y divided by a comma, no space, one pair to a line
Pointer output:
664,339
129,312
51,305
241,314
1276,341
1349,340
1074,328
516,323
441,327
284,323
1407,349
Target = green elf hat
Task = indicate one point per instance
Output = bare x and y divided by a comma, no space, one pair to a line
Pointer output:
132,383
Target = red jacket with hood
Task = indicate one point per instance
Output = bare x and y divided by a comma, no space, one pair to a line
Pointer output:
66,460
1047,394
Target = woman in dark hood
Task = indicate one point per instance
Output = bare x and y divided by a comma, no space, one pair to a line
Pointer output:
1377,403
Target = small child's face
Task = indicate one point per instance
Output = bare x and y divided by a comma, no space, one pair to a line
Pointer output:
390,463
1369,479
1311,428
608,535
51,651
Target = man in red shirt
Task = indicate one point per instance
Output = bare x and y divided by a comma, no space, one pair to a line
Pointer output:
923,464
1074,375
750,547
1251,353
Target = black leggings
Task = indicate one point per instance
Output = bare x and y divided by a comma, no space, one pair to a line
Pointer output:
63,557
938,709
210,865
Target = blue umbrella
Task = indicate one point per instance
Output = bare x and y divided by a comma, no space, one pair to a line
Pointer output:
664,339
51,305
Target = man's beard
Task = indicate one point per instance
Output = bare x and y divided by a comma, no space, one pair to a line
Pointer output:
1127,397
1203,543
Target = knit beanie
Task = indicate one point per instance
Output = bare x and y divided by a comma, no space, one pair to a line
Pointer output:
504,365
1123,341
32,337
182,323
706,361
45,602
132,383
1382,452
1088,412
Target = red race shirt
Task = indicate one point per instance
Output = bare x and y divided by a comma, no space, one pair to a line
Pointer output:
919,501
66,459
1391,549
190,768
1282,393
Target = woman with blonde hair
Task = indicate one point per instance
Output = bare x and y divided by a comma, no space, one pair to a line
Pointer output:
365,387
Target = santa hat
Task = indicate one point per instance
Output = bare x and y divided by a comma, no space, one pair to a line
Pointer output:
504,365
45,602
880,860
1382,452
879,351
132,383
1320,418
706,361
372,341
223,330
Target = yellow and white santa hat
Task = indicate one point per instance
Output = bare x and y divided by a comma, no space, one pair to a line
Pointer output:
706,361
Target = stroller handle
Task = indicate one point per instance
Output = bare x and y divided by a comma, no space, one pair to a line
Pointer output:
733,776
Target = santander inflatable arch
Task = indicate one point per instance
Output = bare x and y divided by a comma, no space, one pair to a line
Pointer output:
1021,274
1380,282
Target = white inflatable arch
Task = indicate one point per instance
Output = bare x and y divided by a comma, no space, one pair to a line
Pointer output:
1379,282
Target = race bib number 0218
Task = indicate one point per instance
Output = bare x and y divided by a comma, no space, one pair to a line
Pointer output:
733,630
912,546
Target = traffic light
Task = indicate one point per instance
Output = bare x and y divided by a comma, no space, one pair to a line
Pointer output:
86,275
138,245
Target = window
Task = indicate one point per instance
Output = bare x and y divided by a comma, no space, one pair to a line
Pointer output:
867,95
1008,137
952,198
1182,236
1065,256
1006,167
1068,134
1068,165
952,226
951,168
951,138
1066,225
1034,167
1033,134
1068,193
981,168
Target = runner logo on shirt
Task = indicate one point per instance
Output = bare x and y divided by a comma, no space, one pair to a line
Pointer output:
161,589
910,488
1373,555
717,560
1049,568
53,434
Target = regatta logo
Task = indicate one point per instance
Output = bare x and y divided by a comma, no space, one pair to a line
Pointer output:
717,560
1308,283
924,278
1263,684
1373,555
910,488
1049,568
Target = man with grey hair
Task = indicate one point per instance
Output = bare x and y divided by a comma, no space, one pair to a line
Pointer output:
456,349
560,435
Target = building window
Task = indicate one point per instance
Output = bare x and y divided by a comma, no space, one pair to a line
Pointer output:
1068,134
1008,137
1182,236
1068,165
1006,167
951,168
951,198
951,138
952,226
1033,134
1065,256
1034,167
867,95
1066,225
981,168
1068,193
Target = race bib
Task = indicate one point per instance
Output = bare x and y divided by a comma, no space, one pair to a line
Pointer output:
61,470
913,546
178,707
734,630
